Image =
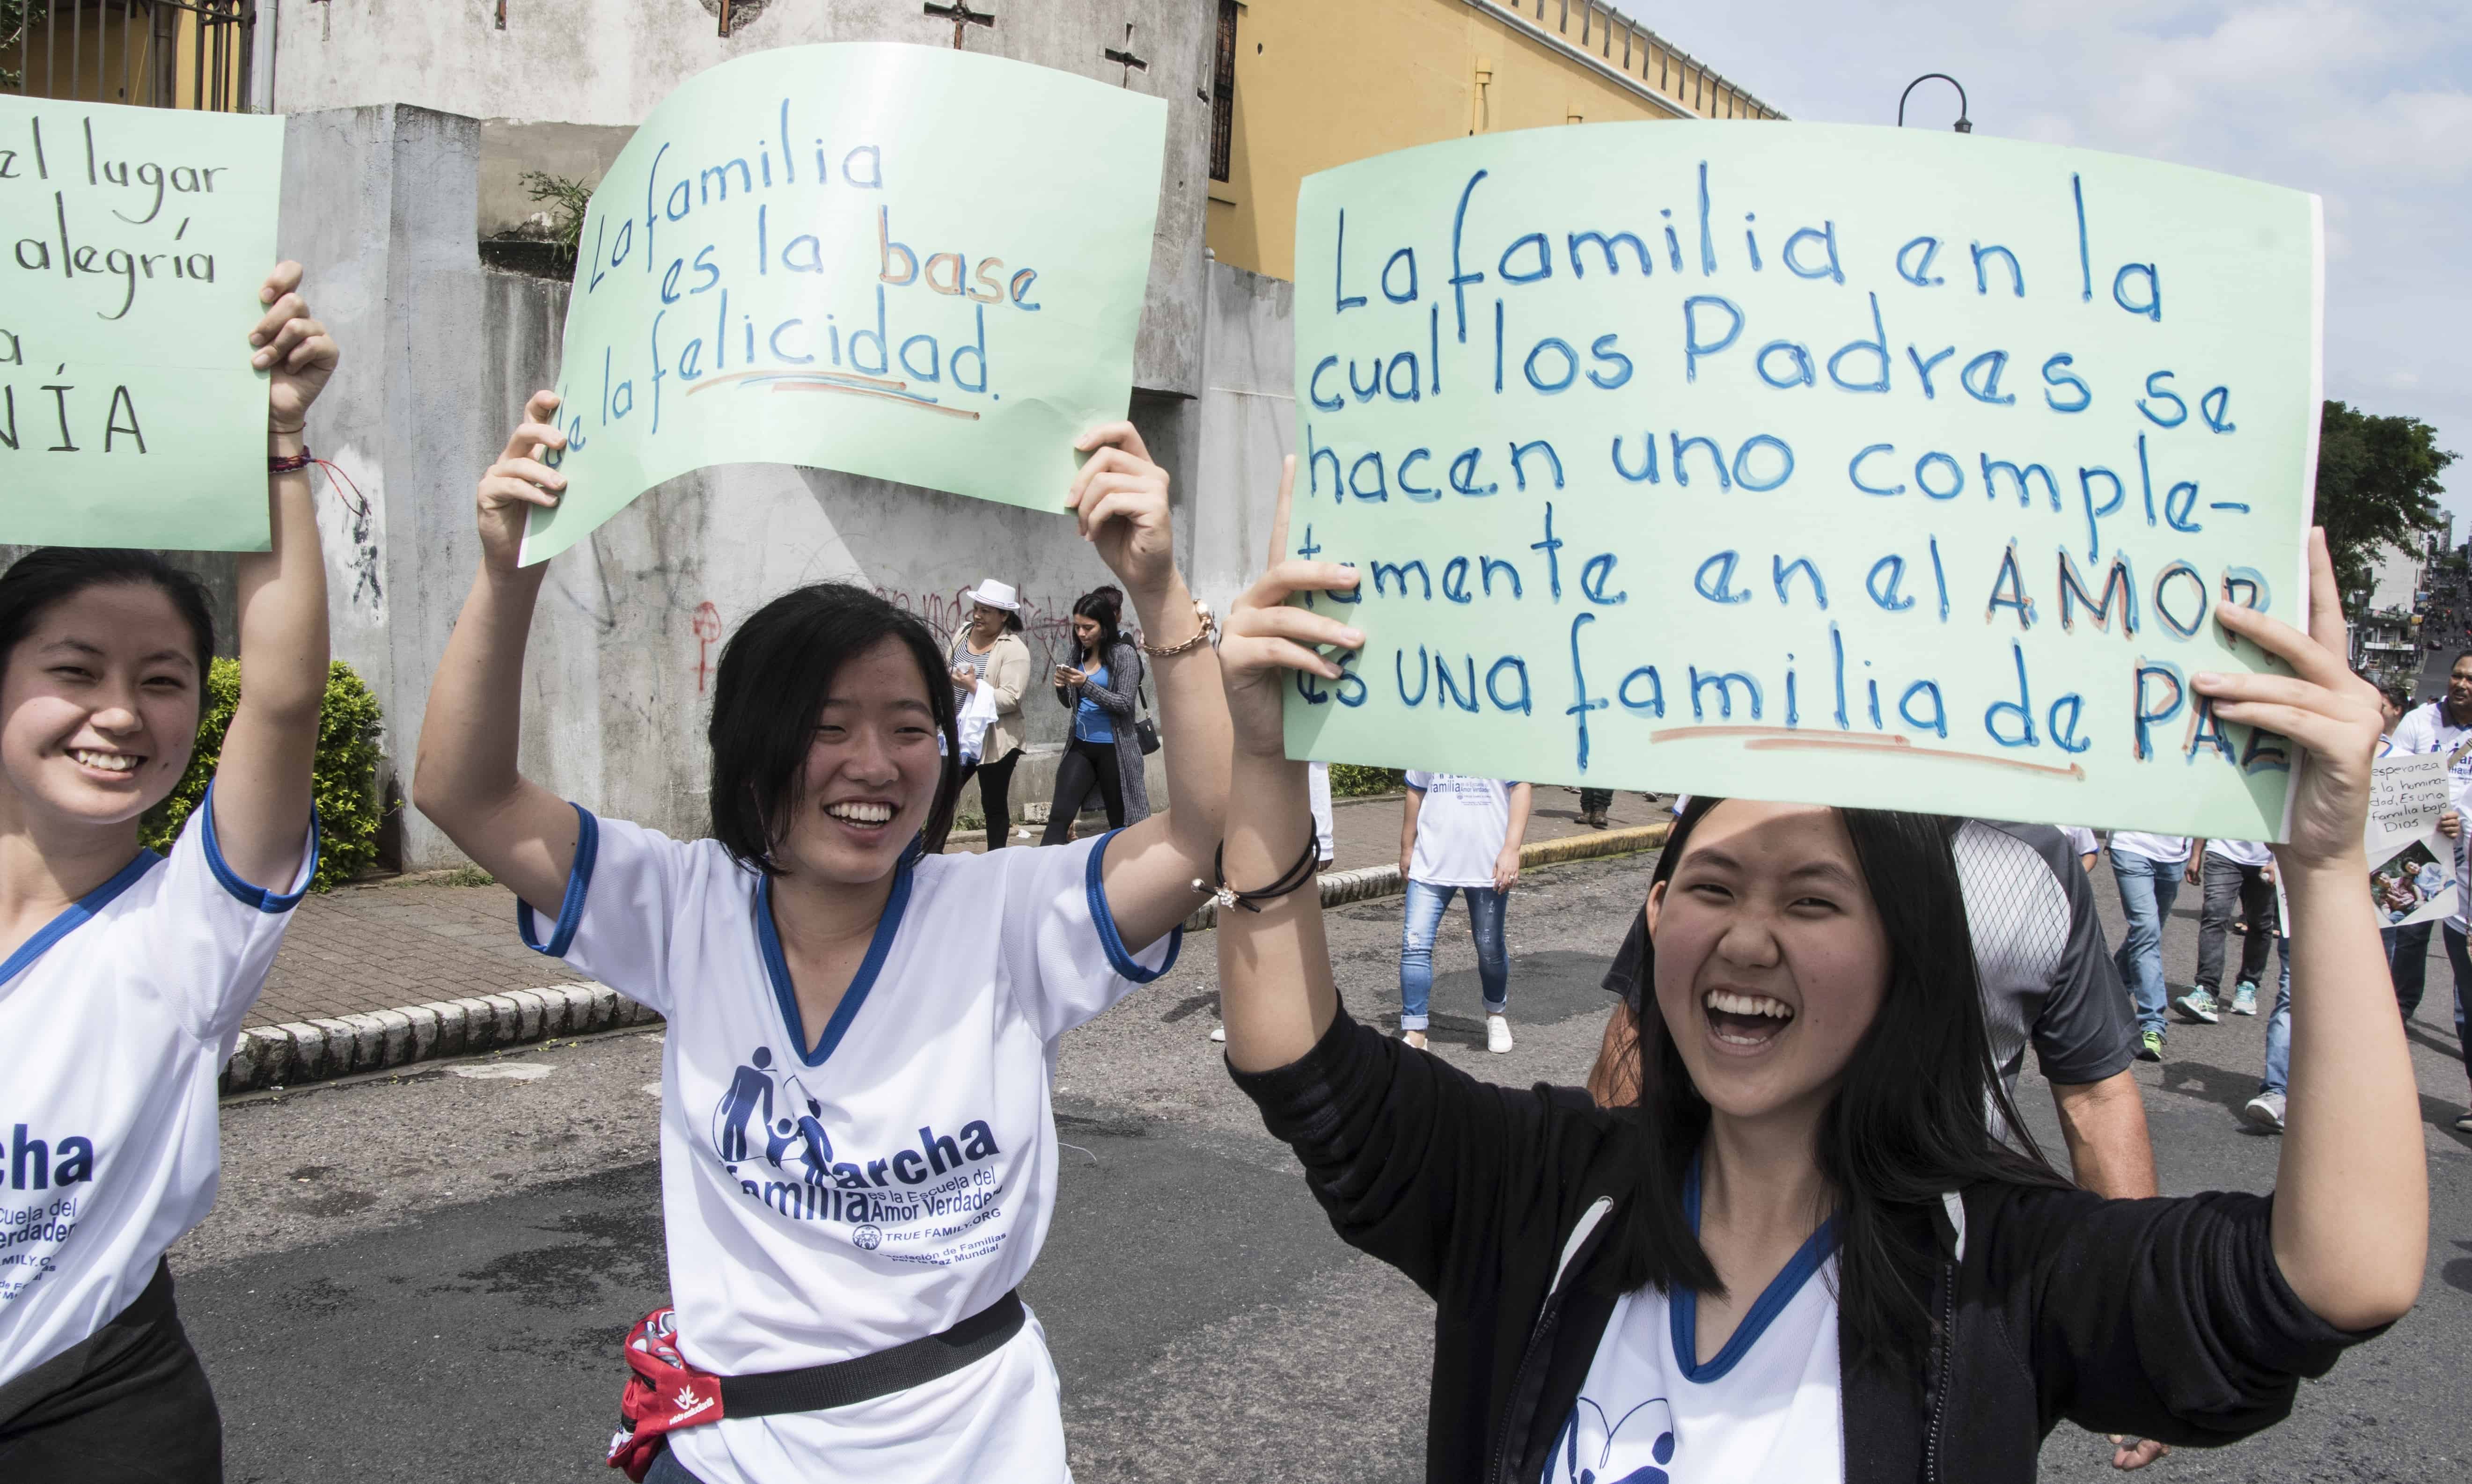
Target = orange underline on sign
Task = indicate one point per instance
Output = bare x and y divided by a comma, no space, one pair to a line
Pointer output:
1765,739
904,398
776,372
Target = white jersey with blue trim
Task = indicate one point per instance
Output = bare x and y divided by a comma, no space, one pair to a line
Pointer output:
118,1016
894,1178
1767,1405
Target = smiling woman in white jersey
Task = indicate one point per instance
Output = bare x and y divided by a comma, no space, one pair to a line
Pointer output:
858,1159
1803,1256
124,974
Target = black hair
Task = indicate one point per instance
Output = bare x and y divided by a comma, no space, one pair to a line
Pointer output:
1106,605
1907,1123
2460,655
52,574
2399,698
774,675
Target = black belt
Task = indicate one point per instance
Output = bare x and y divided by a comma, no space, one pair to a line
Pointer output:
866,1377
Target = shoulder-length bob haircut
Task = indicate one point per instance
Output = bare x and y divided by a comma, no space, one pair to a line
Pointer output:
52,574
774,675
1909,1121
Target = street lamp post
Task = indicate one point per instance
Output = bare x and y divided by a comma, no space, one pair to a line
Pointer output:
1964,124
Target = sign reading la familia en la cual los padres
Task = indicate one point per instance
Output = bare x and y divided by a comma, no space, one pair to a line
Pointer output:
1808,463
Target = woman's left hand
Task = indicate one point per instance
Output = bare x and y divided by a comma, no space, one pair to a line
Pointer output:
2321,707
1120,499
292,345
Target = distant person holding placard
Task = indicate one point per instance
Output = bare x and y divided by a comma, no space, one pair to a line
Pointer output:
858,1158
1459,836
2443,725
1806,1256
129,973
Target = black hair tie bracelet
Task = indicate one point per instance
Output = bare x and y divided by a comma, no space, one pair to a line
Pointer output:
1295,877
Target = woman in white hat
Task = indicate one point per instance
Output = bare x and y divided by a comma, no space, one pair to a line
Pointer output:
989,650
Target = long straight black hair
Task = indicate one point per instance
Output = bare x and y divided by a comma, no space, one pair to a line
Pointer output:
1106,605
775,676
1907,1124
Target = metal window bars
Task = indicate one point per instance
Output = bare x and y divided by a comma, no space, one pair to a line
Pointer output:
162,54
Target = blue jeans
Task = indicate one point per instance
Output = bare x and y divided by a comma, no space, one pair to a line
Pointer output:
667,1469
2279,1024
2147,889
1425,905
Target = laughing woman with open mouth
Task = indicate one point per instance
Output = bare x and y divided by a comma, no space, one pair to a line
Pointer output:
858,1159
1802,1256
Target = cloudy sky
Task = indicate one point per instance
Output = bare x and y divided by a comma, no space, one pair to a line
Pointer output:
2363,102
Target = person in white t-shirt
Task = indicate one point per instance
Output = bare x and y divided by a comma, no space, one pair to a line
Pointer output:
2444,724
2083,844
124,974
858,1155
2146,869
2237,876
1459,835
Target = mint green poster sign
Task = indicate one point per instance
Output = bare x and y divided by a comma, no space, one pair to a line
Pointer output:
1807,462
907,262
132,243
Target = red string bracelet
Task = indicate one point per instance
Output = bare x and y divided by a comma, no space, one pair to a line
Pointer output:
293,465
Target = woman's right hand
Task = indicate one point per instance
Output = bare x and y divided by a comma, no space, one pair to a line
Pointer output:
519,481
1264,637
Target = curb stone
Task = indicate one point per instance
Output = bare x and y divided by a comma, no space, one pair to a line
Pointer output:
297,1052
320,1051
1366,883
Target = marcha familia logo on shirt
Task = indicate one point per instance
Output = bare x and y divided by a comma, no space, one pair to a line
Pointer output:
773,1119
1586,1445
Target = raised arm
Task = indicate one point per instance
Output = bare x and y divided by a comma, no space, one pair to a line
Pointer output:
465,780
1120,499
2351,1198
1274,981
262,792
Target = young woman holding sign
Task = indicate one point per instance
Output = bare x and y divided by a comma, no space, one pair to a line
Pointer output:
858,1159
1803,1257
127,974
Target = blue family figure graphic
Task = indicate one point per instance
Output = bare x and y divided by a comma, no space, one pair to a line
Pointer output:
749,1099
1566,1466
801,1123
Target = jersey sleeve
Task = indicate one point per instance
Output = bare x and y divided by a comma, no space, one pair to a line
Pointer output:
2085,1032
1068,961
622,897
218,930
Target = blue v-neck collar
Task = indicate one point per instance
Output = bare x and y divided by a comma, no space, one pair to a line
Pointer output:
777,968
76,914
1684,1306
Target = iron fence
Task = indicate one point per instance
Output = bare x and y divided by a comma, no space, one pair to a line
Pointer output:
162,54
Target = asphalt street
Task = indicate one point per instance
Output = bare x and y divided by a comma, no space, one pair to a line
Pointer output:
426,1277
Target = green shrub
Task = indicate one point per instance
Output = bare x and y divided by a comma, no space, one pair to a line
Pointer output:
1348,780
343,781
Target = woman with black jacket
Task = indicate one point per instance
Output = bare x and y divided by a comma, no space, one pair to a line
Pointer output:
1803,1257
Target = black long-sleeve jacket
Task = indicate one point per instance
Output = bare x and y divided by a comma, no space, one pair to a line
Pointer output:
2166,1319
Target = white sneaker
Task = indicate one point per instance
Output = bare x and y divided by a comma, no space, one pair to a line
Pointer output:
1217,1032
2265,1111
1497,1034
1414,1038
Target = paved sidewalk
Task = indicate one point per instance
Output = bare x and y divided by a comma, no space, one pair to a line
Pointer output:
385,945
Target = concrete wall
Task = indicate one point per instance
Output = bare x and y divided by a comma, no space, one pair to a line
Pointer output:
611,61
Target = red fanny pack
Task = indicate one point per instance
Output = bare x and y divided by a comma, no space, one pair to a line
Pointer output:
666,1393
663,1393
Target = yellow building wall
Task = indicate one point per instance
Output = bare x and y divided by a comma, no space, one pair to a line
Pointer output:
1321,83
